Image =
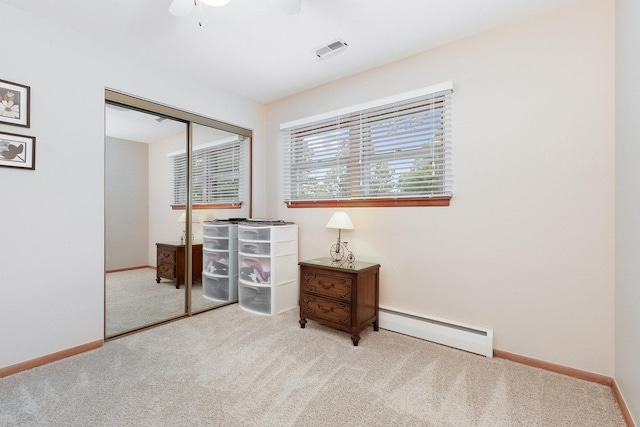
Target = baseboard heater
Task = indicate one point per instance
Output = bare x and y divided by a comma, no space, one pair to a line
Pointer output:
445,332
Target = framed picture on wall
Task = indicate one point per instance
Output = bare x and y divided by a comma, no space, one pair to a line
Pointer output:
14,104
17,151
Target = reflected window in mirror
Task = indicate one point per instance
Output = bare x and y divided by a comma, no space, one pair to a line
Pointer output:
219,172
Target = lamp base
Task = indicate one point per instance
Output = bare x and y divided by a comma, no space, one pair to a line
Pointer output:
340,254
183,238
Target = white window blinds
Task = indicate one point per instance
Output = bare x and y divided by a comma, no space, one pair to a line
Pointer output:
393,148
217,170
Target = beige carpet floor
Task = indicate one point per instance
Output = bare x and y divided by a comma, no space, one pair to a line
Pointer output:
227,367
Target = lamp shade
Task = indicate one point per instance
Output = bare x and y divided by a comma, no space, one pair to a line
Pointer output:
194,218
340,220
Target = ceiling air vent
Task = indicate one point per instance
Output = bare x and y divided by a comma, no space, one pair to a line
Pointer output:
331,49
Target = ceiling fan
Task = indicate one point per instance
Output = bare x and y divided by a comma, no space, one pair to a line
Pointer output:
183,7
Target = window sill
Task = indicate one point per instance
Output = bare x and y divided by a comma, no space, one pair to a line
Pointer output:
371,203
209,206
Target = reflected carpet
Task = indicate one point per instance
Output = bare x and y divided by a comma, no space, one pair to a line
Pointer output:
135,299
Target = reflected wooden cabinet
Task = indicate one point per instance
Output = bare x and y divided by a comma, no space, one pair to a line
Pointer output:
170,262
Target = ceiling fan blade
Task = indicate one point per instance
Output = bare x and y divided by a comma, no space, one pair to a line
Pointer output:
180,7
288,6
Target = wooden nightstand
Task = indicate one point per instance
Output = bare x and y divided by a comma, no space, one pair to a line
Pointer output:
342,297
170,262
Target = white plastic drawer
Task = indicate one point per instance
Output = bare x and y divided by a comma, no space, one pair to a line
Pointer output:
215,263
255,298
215,288
254,269
220,244
256,248
254,233
215,231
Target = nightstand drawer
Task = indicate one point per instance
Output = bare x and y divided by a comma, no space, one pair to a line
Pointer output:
168,271
166,256
327,285
329,310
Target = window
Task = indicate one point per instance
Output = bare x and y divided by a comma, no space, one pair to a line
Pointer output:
218,179
391,152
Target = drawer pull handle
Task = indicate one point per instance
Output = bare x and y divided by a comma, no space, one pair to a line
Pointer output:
326,287
325,310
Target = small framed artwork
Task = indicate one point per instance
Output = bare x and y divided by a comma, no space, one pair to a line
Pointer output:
17,151
14,104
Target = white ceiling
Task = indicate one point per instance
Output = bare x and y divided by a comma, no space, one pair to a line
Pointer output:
132,125
252,48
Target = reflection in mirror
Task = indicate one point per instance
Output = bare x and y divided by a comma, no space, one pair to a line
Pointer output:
141,229
220,191
147,230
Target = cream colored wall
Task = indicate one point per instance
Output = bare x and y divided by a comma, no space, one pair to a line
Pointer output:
52,243
126,203
627,348
527,246
163,221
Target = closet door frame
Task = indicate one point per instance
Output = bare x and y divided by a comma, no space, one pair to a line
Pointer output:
144,105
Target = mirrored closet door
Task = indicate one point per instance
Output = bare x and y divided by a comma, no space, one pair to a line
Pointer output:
141,229
171,178
219,195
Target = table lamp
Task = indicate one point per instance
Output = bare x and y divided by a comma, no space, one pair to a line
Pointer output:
339,251
183,219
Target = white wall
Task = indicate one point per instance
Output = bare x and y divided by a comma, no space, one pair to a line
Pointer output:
52,244
627,347
126,203
163,221
527,245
